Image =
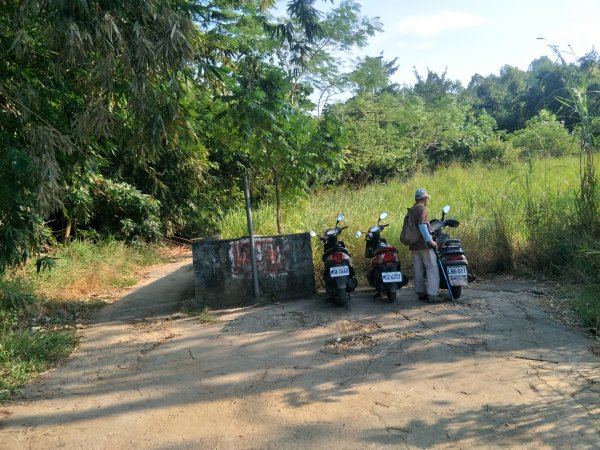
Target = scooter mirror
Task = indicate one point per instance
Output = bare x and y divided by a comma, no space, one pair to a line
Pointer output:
383,216
340,217
313,233
357,234
446,209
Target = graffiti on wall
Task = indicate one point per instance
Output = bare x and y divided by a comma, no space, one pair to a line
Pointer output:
269,257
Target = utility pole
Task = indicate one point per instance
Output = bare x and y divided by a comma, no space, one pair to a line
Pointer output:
251,239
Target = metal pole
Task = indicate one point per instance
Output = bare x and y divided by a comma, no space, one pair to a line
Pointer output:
251,239
445,277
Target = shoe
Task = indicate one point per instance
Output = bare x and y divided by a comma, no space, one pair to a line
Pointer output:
436,299
422,296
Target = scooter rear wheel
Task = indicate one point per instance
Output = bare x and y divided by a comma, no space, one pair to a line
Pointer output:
340,296
391,295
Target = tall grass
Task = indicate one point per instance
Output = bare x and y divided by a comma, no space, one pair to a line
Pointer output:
83,268
515,218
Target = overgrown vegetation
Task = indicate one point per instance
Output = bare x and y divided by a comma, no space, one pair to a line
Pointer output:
102,141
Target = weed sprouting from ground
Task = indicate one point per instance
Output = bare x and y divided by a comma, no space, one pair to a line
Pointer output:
205,317
505,212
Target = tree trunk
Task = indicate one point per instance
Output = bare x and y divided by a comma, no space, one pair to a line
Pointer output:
68,226
277,201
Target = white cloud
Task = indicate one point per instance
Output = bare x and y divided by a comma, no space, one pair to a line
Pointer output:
438,23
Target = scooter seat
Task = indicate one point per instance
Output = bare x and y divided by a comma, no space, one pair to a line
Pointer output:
451,243
385,249
334,250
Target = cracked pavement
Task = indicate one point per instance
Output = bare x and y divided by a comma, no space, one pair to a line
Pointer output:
495,371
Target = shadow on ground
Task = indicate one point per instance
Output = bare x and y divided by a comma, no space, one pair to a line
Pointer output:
495,370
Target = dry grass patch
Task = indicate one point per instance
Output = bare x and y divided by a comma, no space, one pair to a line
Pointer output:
343,343
84,270
405,334
357,326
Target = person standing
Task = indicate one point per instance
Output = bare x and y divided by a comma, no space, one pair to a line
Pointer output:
424,258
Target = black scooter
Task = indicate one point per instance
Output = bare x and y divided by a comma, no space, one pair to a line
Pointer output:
338,273
384,266
453,264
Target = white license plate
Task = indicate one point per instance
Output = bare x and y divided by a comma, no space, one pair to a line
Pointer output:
457,275
391,277
339,271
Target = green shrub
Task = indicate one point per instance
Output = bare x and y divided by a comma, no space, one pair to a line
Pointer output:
493,151
124,212
16,294
544,136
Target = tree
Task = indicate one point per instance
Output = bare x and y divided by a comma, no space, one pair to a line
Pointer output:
435,87
81,82
95,88
314,58
278,135
381,134
503,97
546,82
372,74
99,90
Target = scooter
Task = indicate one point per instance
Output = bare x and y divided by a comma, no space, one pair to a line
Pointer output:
338,273
453,264
384,266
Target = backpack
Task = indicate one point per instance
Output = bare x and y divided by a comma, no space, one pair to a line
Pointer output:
410,233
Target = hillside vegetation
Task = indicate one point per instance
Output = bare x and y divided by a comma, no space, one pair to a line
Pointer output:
518,218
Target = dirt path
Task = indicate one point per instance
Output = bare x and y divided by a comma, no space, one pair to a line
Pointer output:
496,371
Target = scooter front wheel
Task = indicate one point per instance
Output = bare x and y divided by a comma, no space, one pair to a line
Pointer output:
456,291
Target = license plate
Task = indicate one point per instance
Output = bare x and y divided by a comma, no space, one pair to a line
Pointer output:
457,275
391,277
339,271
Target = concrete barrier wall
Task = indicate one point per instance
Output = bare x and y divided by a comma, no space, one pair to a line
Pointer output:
223,271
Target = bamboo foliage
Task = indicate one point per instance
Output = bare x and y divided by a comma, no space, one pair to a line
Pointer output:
81,81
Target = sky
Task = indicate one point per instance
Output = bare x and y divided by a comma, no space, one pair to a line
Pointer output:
468,37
